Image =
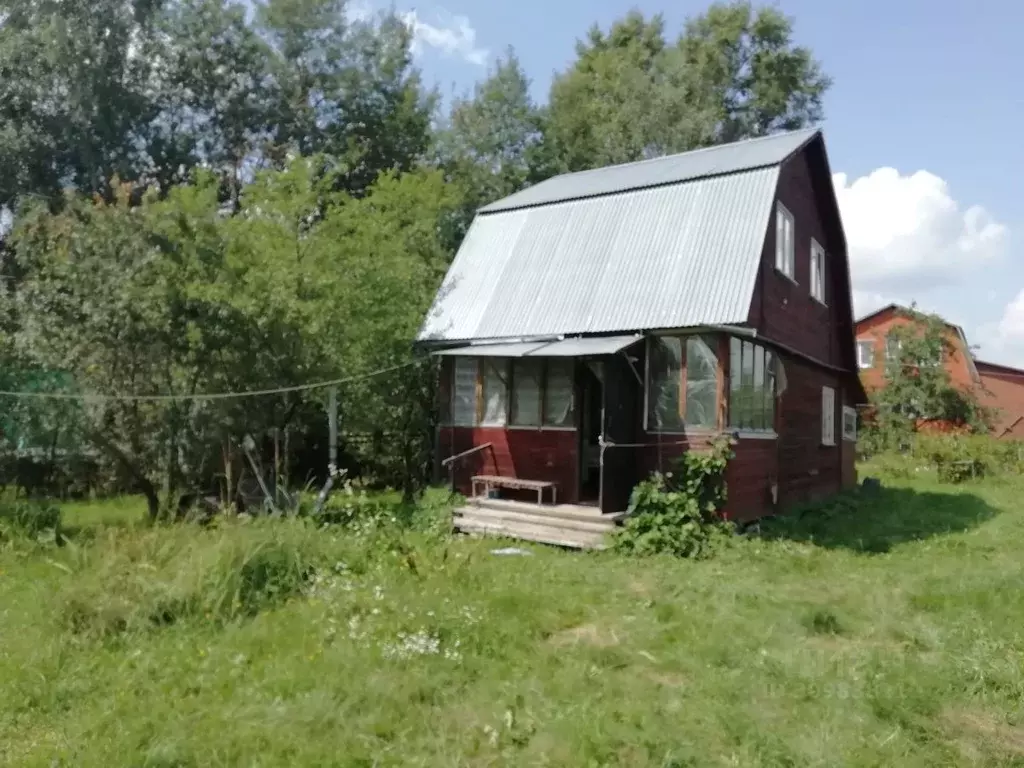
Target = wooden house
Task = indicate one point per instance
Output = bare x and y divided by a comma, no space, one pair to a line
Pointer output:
595,326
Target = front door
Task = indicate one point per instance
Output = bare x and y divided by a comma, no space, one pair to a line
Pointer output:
592,419
623,398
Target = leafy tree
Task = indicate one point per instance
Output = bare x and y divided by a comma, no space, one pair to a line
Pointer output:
493,143
72,93
918,386
740,64
347,90
733,73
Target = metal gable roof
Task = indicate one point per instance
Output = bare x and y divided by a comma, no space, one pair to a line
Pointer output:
676,246
672,169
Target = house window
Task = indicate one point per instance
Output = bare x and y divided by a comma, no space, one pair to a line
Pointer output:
892,349
682,383
817,271
494,387
558,394
785,260
527,379
464,392
828,416
849,423
751,386
866,353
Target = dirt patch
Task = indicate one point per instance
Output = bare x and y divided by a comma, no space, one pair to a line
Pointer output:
666,679
986,731
586,634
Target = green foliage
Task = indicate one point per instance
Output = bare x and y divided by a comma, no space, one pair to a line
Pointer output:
679,512
733,73
957,458
128,582
28,519
918,387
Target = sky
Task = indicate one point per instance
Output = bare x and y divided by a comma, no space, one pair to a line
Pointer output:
922,124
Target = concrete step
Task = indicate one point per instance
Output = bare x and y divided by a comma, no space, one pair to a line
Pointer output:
530,517
544,534
561,511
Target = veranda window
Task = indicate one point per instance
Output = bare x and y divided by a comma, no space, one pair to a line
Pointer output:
682,383
527,386
497,391
751,386
558,394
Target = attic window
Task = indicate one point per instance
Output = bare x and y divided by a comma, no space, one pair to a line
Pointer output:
817,271
785,259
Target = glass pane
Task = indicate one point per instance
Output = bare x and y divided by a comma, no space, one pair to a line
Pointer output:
780,240
735,354
464,402
757,391
495,391
558,394
526,388
769,390
701,382
747,386
665,367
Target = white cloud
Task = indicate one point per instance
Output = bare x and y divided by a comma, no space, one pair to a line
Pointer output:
452,35
908,231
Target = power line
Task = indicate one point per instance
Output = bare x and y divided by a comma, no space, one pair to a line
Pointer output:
208,395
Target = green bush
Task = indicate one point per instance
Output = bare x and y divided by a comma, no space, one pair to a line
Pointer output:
679,513
957,458
137,581
28,519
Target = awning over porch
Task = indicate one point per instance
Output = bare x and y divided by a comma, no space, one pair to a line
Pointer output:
578,347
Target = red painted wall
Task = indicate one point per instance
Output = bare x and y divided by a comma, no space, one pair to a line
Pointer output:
1002,390
534,454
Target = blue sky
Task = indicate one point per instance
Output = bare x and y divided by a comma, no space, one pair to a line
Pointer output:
923,127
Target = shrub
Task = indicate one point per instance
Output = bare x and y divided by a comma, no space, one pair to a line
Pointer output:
28,519
957,458
140,580
679,513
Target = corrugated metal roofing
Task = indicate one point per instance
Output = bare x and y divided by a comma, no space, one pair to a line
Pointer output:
578,347
510,349
701,163
671,256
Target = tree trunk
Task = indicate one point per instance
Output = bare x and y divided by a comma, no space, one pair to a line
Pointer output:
152,498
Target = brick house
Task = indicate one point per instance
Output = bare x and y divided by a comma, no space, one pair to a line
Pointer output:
999,388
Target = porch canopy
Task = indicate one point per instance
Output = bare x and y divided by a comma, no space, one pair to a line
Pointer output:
578,347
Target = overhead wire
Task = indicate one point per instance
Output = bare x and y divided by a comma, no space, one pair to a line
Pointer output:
206,395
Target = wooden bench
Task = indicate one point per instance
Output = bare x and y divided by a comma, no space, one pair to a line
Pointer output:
489,481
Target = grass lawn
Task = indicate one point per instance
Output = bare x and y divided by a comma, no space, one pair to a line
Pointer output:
886,631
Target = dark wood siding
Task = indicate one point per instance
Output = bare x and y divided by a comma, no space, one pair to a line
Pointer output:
782,308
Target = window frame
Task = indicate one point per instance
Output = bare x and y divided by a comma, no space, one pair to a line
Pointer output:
785,258
683,428
849,436
505,367
769,374
868,344
818,275
828,417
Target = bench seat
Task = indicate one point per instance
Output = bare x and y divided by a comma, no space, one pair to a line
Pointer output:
516,483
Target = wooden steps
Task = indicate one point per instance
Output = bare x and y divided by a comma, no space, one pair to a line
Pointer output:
565,525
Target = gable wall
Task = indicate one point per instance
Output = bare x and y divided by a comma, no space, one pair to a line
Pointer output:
782,308
876,329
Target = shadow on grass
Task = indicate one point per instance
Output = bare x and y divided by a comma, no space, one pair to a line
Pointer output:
876,521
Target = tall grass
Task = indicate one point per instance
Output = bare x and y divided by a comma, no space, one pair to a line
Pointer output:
882,630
